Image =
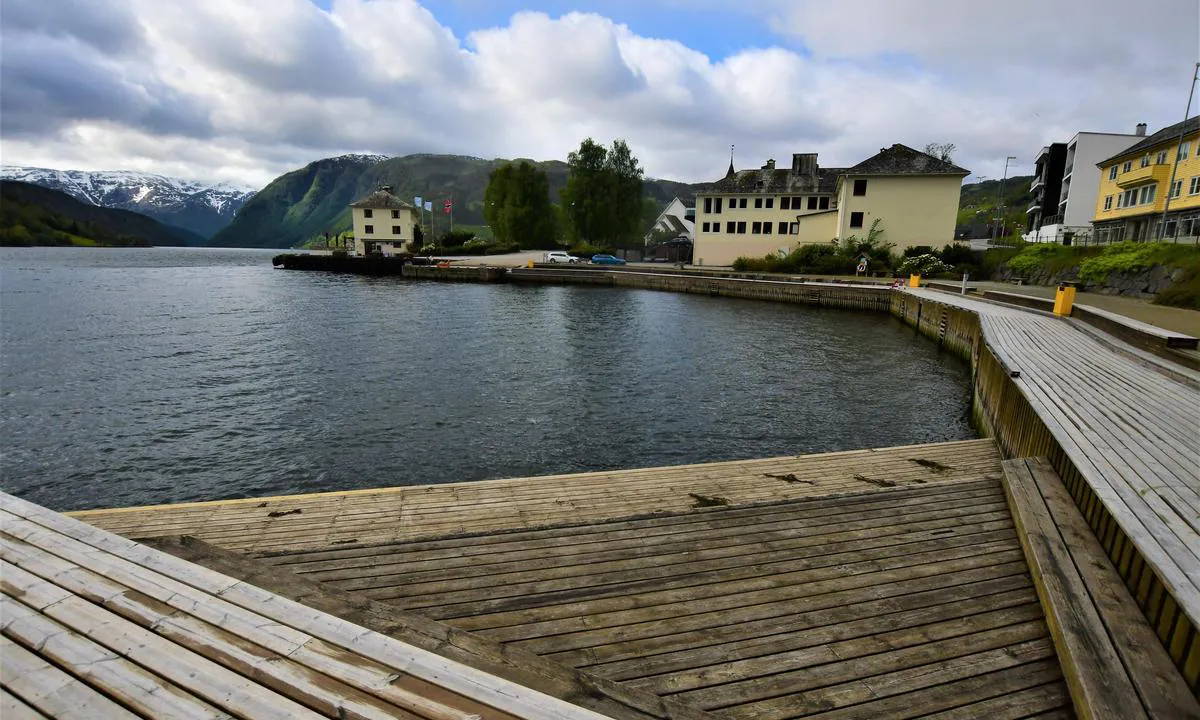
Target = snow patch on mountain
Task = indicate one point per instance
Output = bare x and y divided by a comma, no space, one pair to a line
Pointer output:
203,208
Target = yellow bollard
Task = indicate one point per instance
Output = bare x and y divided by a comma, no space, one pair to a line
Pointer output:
914,281
1063,300
529,264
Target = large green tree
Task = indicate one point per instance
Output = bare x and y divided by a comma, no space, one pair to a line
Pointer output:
602,200
517,206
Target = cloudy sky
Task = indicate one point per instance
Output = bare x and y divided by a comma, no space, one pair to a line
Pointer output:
241,90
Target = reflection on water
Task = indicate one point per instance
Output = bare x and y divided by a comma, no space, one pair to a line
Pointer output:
164,375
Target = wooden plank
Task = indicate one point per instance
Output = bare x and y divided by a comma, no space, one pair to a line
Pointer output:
51,691
466,681
13,708
1084,647
1160,687
313,676
138,690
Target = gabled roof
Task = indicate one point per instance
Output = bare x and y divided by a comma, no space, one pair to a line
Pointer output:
1166,135
381,199
903,160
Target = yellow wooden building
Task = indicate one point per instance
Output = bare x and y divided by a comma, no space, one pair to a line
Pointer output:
1136,186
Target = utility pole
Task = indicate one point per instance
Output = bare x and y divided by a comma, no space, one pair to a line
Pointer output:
1162,226
999,196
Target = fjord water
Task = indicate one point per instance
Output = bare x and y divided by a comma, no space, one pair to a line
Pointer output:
144,376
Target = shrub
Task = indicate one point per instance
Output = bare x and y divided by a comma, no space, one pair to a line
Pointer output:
457,238
1125,257
1048,257
502,248
585,250
916,250
927,265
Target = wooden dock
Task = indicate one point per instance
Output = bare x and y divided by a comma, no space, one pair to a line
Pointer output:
1124,434
97,626
293,522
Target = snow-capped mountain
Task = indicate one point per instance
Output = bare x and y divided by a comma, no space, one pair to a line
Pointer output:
202,208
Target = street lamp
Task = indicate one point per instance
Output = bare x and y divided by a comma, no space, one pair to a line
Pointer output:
999,198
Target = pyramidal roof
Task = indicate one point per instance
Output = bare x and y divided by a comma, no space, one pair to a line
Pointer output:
382,199
903,160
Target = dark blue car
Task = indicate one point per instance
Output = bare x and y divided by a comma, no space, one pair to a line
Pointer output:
607,260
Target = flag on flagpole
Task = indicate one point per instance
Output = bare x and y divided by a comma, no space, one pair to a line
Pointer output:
447,206
417,201
428,205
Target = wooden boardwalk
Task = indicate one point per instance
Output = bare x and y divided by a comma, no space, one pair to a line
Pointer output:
886,603
1132,433
402,513
97,626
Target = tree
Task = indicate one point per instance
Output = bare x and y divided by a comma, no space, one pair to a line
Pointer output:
602,200
517,206
941,151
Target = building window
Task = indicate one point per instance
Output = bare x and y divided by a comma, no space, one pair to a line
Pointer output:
717,211
767,227
704,227
1146,160
396,230
860,187
783,227
796,201
1127,166
785,202
1177,188
1183,151
756,228
856,219
1194,185
812,202
770,203
367,213
824,204
1162,158
1108,202
795,229
731,227
742,204
1112,173
369,229
732,203
758,203
707,207
742,226
395,214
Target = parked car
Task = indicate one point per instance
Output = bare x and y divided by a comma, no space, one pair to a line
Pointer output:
558,256
607,260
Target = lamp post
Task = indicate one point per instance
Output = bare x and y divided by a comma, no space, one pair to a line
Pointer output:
999,198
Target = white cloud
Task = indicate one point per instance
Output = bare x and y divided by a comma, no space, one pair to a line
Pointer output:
230,90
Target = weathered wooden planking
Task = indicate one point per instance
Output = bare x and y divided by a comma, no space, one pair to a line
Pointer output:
49,690
12,708
1120,428
906,589
49,536
434,510
1115,666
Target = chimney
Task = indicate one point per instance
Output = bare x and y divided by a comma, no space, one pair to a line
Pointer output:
1140,131
770,165
804,164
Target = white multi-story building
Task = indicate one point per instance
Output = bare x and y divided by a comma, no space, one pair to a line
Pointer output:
1079,185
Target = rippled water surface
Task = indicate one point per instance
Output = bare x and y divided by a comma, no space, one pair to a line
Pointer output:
140,376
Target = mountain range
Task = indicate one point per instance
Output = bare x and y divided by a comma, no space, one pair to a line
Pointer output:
202,209
35,215
306,203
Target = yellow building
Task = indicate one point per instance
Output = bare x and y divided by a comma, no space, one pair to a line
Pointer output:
1134,188
383,223
752,213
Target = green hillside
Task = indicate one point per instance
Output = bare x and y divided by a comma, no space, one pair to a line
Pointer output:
977,203
34,215
308,202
